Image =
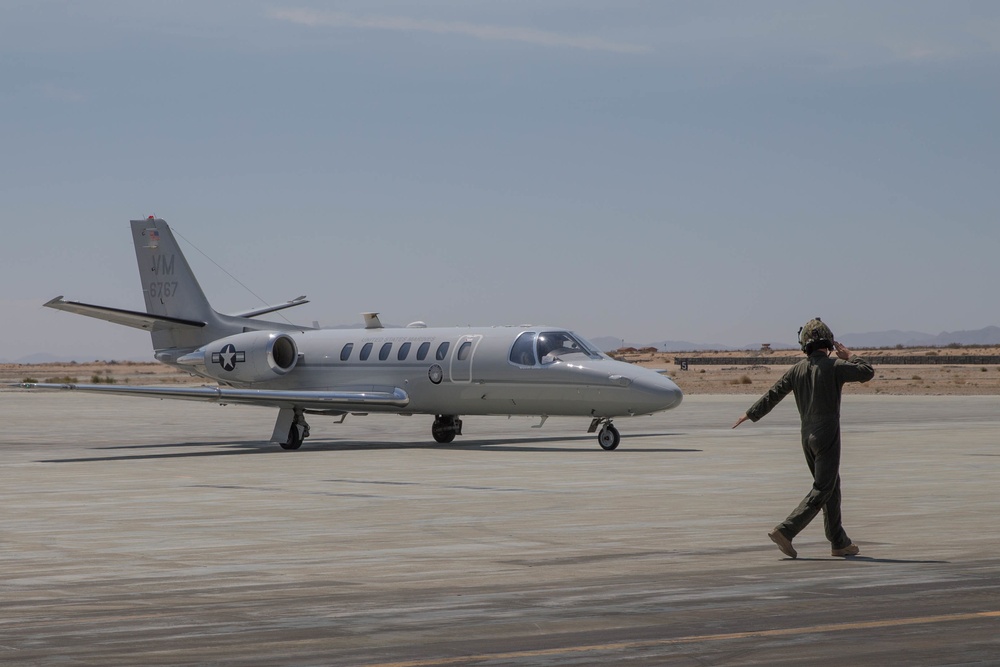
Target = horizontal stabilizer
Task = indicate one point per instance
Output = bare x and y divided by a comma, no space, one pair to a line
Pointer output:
310,400
129,318
298,301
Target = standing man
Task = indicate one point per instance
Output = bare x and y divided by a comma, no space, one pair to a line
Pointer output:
816,382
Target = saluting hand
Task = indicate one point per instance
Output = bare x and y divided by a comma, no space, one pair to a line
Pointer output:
842,351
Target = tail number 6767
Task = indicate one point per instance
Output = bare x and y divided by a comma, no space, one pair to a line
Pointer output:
162,290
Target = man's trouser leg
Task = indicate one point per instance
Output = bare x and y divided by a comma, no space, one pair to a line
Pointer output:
832,520
822,451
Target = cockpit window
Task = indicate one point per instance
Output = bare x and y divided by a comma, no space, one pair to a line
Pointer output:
592,350
552,345
522,352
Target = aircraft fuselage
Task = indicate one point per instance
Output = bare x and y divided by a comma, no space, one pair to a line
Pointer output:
460,371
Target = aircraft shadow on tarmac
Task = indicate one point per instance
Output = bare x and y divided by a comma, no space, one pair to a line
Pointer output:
261,447
874,561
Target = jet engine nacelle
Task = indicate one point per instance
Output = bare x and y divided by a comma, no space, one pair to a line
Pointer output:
254,356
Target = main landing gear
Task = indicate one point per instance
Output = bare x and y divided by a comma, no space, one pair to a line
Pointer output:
608,437
445,428
298,432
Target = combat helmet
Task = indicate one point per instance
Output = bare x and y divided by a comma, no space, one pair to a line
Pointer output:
815,331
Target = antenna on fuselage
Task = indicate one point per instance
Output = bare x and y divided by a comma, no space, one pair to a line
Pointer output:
372,321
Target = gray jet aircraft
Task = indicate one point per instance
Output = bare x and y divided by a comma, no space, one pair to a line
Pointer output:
446,372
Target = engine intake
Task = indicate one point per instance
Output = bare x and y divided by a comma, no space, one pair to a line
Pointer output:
254,356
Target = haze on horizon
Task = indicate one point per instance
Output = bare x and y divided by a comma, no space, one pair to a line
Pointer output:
717,173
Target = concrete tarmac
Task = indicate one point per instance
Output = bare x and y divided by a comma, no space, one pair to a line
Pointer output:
139,531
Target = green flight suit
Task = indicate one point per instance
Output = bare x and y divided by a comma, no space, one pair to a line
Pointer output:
817,382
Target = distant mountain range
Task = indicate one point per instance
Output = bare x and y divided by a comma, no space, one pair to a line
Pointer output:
986,336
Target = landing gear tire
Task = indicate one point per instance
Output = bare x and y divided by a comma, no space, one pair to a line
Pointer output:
609,437
445,428
297,433
443,436
295,438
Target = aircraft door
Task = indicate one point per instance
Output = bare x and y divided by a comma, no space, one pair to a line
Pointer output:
461,360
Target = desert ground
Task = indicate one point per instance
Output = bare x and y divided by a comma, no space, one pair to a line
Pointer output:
754,378
894,379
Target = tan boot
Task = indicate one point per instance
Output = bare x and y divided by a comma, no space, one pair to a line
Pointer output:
850,550
783,543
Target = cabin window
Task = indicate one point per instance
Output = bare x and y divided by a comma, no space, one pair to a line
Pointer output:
463,351
404,350
345,354
383,354
522,352
442,351
366,351
423,350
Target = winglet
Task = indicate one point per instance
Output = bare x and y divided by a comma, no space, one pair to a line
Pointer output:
372,321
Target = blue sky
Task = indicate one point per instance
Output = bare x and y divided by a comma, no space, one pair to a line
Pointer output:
711,171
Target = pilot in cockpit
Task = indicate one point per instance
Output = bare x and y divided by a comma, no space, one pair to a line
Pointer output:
545,345
549,347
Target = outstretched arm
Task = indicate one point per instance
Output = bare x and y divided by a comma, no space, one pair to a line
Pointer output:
773,396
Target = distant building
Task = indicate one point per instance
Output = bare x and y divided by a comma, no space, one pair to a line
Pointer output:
765,348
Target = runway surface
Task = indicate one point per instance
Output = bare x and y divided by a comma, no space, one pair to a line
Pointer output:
138,531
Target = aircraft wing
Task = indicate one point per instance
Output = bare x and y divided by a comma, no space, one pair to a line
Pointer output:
346,401
130,318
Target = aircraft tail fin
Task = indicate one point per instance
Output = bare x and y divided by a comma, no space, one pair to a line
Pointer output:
170,288
168,284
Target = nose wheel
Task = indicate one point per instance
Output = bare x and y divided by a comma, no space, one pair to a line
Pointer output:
608,437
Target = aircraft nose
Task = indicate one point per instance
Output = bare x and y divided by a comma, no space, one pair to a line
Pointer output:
662,390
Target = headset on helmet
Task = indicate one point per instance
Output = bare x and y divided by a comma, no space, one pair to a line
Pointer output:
815,334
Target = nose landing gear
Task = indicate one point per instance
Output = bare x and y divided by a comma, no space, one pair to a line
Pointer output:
608,437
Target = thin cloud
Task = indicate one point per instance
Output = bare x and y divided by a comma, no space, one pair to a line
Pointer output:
479,31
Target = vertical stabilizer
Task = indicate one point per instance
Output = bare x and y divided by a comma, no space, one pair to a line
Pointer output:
168,284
